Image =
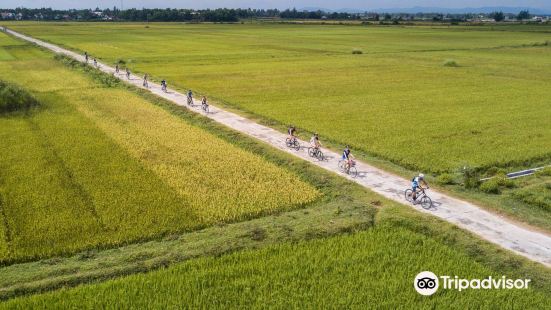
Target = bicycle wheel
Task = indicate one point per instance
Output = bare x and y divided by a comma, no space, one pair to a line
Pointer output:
319,156
426,202
311,152
288,142
296,145
341,165
353,172
408,193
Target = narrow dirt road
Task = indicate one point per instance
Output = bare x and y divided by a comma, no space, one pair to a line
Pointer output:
494,228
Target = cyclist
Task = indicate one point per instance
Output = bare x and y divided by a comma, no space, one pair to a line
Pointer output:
416,183
95,63
204,103
163,85
292,131
128,73
117,68
145,81
315,142
189,97
86,56
348,157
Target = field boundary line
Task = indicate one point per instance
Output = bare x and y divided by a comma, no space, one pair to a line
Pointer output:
494,228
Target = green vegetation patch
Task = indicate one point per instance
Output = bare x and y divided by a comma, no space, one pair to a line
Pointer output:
538,195
14,98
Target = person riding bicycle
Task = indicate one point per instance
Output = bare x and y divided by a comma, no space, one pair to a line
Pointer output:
315,142
204,103
117,68
145,84
416,183
348,157
95,63
189,97
163,85
86,56
128,73
292,131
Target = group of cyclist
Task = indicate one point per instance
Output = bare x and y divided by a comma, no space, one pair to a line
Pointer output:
204,102
87,57
118,69
347,157
349,160
145,83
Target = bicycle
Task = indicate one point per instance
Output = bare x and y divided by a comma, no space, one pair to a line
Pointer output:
292,143
189,101
205,107
348,169
422,197
316,153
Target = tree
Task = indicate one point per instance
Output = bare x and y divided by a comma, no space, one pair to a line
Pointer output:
523,15
498,16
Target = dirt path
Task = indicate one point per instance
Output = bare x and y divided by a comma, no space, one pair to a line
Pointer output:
494,228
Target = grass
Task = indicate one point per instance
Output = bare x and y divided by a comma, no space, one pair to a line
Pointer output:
450,63
396,101
79,173
324,273
538,195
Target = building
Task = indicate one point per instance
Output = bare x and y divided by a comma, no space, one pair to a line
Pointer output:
7,15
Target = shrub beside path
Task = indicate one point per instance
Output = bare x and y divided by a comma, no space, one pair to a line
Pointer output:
517,238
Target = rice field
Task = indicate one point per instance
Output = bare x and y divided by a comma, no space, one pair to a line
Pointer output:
396,101
374,268
99,166
96,166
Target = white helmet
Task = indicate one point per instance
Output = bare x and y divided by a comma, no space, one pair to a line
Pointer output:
421,176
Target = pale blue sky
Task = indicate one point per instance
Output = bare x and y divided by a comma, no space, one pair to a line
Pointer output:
329,4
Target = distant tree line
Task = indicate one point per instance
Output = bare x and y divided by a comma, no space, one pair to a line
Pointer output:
168,15
231,15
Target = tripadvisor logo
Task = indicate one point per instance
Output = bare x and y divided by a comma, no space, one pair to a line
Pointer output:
427,283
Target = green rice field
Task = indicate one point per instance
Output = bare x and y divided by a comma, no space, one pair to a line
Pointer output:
397,100
87,169
349,271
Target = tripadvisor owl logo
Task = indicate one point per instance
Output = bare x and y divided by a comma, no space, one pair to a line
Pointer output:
426,283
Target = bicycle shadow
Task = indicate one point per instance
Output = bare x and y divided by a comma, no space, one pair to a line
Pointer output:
435,205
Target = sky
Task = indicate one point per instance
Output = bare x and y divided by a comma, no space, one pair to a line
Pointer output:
280,4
